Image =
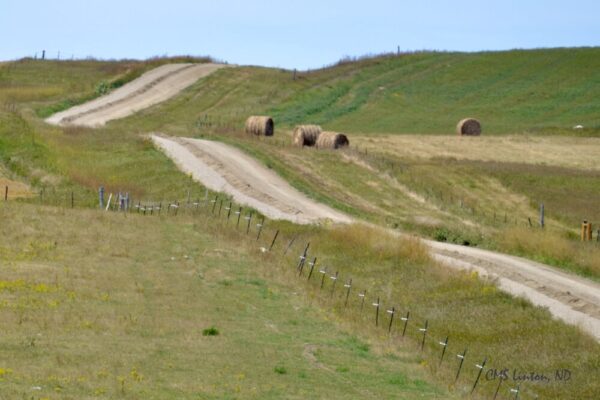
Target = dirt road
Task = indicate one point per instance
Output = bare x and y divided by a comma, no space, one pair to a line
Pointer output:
153,87
223,168
571,298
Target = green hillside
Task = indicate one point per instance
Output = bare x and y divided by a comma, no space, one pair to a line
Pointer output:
93,289
538,91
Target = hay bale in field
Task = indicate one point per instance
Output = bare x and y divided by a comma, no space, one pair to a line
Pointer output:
332,140
306,135
260,126
468,127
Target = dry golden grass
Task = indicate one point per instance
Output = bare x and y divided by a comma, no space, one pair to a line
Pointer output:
553,248
382,243
571,152
16,189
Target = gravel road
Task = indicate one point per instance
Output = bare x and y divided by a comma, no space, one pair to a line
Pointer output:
223,168
155,86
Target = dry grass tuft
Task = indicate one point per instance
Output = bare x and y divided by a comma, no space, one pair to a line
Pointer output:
16,190
383,244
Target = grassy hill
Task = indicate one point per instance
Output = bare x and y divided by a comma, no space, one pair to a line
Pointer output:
538,91
468,199
150,307
98,304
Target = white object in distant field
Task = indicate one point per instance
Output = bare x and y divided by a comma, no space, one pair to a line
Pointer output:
578,127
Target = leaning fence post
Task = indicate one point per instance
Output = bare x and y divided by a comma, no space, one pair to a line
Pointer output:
220,207
391,312
290,245
6,193
498,387
228,212
303,257
260,226
214,204
249,218
542,215
405,319
312,267
274,239
239,214
445,346
480,367
460,364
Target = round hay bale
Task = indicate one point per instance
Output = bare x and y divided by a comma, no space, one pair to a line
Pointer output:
306,135
332,140
260,126
468,127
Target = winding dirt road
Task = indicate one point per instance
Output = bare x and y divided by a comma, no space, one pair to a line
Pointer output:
155,86
223,168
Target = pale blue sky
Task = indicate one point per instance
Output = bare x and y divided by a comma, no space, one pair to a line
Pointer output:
291,34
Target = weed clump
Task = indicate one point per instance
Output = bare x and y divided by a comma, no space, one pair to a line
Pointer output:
212,331
280,370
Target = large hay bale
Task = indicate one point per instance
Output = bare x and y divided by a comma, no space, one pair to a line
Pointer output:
306,135
260,126
332,140
468,127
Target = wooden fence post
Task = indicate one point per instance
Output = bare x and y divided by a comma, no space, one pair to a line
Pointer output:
249,218
334,278
101,196
274,239
348,286
214,203
424,330
312,267
303,258
260,227
391,312
362,299
228,212
376,305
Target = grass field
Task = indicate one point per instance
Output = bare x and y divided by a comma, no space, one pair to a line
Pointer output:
123,311
71,277
435,185
126,310
541,92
